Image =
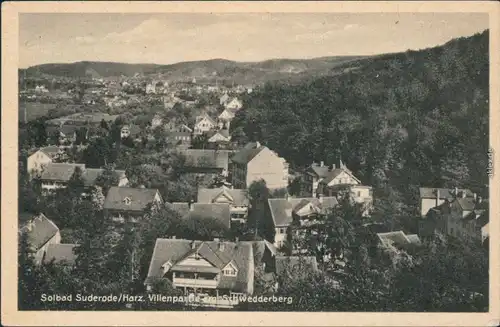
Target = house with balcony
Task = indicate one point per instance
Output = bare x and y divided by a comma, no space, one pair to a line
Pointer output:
41,233
237,199
292,214
209,270
126,204
255,162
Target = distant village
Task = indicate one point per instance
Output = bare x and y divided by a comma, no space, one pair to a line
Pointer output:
204,138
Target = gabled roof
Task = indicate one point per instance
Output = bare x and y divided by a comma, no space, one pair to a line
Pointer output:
331,175
296,263
140,198
174,250
207,117
60,172
40,230
206,158
282,209
245,155
50,151
318,170
239,197
467,204
90,175
60,253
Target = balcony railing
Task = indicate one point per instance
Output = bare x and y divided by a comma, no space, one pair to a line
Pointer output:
191,282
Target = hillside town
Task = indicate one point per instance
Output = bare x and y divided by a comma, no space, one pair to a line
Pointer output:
245,223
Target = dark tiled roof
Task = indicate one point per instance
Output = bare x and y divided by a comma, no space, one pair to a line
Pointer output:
218,211
238,197
90,175
181,207
50,151
295,263
206,158
174,250
140,198
60,253
320,171
282,209
444,193
246,154
40,230
60,172
466,204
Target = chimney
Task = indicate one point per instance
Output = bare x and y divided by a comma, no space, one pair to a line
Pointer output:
479,199
320,198
173,237
322,164
193,245
437,197
222,246
456,191
475,197
257,144
463,194
237,239
191,206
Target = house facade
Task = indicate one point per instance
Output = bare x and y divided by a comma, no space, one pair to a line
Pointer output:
204,124
205,271
41,233
220,136
296,213
255,162
311,177
431,197
41,158
236,198
126,204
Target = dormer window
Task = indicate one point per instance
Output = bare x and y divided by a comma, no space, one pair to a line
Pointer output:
127,201
230,270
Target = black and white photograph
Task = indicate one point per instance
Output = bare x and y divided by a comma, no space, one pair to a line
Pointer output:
253,162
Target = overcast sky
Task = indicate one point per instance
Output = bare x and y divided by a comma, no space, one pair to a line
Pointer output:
170,38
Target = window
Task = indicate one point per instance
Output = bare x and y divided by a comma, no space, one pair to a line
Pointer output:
359,194
229,272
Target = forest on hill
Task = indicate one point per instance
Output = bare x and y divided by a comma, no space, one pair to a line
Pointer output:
399,121
203,71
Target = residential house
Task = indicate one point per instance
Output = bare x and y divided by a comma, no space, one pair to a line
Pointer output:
57,175
225,118
206,161
179,138
61,254
234,104
221,212
205,271
41,232
224,99
431,197
151,88
42,157
255,162
41,89
236,198
204,124
296,213
130,204
467,218
341,181
220,136
311,177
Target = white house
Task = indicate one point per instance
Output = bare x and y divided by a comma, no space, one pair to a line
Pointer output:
41,232
41,158
204,123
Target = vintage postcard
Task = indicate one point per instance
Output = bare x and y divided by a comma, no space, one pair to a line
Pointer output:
250,163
